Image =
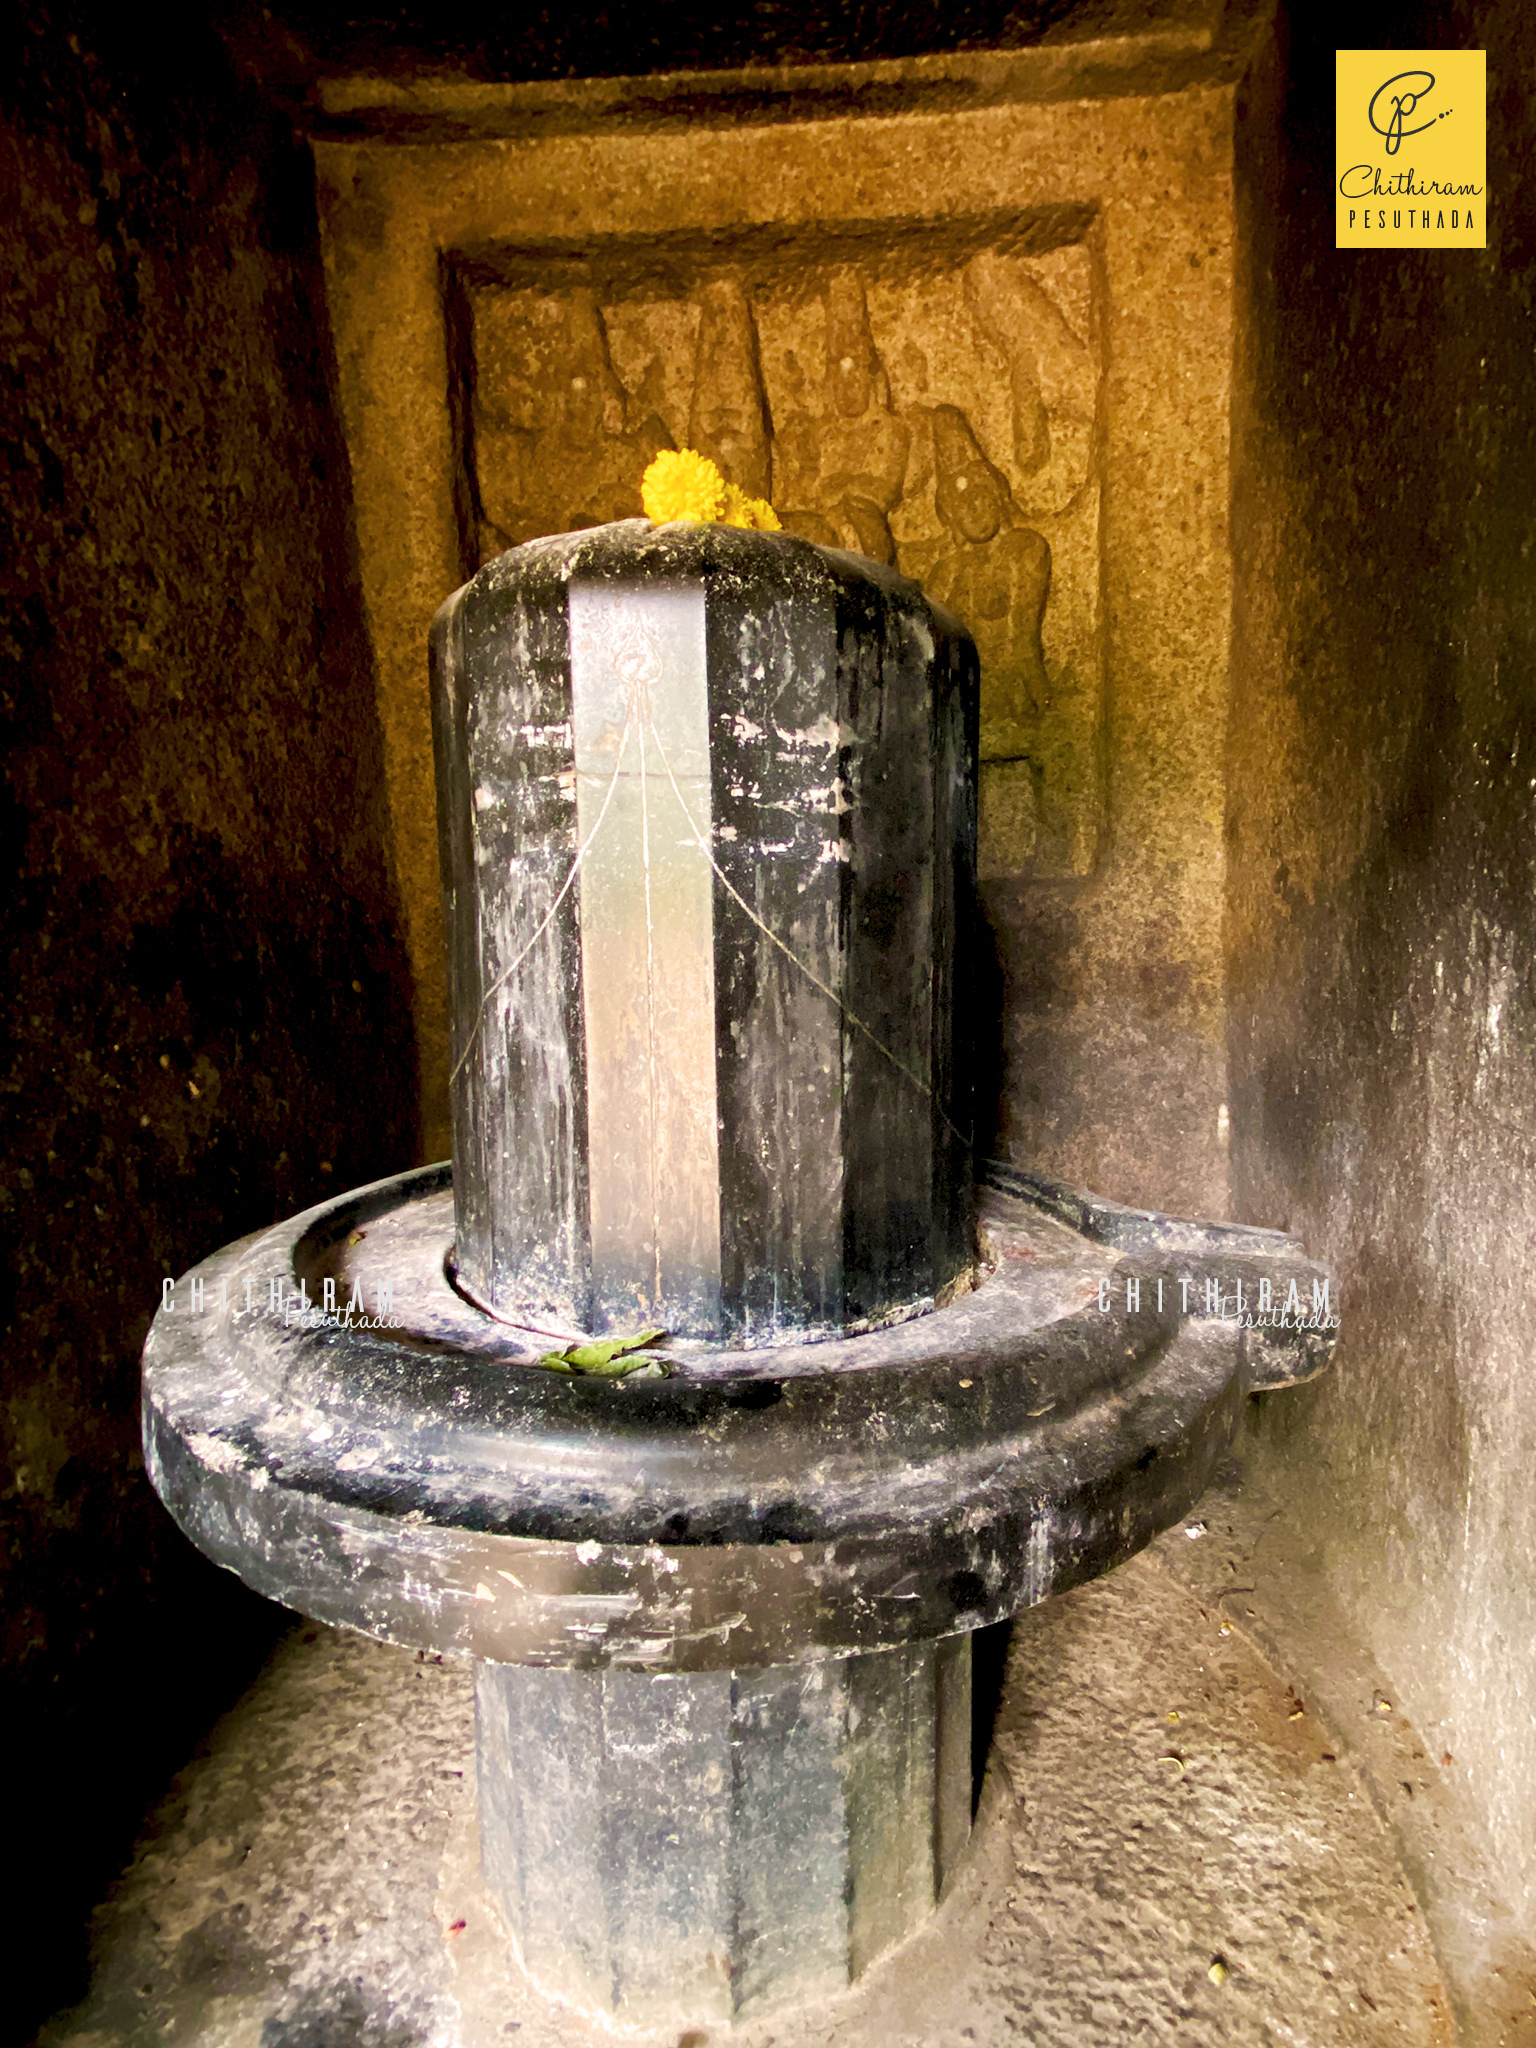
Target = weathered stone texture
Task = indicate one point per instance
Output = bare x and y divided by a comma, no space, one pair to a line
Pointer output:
708,802
928,397
1383,901
1119,1853
1011,274
699,1846
204,997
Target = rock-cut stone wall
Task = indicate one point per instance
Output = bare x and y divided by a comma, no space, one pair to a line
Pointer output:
206,1023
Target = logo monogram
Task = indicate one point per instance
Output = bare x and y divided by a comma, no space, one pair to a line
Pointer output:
1416,85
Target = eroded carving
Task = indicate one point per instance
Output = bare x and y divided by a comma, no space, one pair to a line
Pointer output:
928,411
560,442
845,447
728,418
996,576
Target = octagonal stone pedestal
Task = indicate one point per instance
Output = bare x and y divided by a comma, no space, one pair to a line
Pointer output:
709,1842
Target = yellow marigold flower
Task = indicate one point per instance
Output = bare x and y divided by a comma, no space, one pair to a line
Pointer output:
681,484
740,510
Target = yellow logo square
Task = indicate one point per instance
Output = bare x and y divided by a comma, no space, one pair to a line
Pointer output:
1411,169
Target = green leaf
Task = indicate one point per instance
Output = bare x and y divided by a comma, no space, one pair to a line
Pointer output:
607,1357
598,1356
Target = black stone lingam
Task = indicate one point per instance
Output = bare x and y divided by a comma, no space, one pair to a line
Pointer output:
707,802
708,817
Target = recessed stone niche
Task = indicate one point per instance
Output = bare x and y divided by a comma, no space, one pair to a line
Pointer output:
928,397
973,314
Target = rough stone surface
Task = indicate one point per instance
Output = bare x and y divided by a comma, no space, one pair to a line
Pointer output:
196,908
314,1880
585,39
156,259
284,1896
711,1845
1383,902
1252,1561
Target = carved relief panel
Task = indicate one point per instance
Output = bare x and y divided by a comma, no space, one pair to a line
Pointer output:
929,398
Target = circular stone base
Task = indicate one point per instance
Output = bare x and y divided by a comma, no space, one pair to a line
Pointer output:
327,1417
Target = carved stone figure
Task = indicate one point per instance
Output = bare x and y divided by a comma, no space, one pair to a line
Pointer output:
845,464
1052,377
580,465
939,418
995,577
728,420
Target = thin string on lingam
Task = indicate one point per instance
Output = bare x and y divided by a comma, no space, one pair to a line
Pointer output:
652,1151
789,952
548,918
736,897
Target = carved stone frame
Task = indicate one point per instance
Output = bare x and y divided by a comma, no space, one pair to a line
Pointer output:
1113,1032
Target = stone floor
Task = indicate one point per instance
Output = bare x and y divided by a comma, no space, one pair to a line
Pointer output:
1173,1847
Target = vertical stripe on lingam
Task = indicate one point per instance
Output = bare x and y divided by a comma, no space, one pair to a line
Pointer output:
640,717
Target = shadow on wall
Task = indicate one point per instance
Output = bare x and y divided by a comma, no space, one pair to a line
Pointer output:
208,1021
587,38
1382,908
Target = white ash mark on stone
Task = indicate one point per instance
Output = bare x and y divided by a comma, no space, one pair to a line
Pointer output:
825,733
918,632
1037,1560
218,1455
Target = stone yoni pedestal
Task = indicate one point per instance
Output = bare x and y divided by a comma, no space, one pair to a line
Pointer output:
708,1843
707,802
